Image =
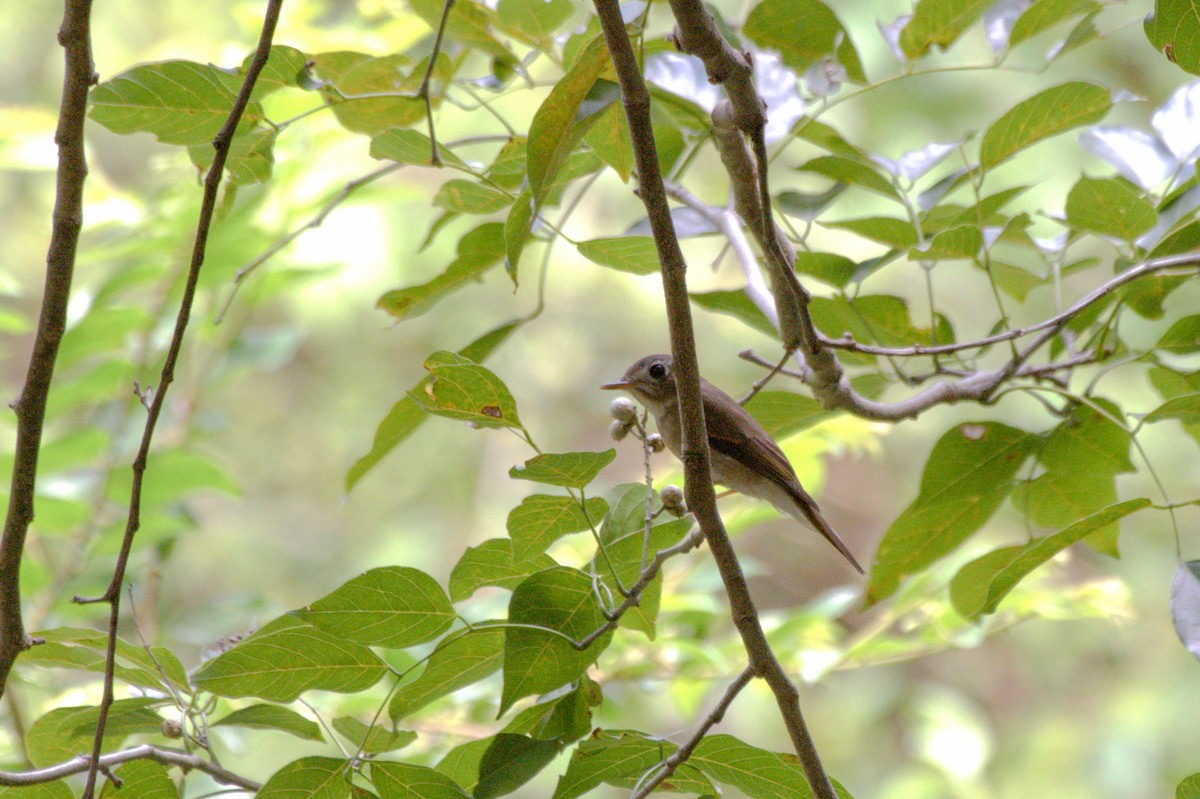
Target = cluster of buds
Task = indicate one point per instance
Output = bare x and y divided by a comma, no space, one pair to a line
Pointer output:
625,418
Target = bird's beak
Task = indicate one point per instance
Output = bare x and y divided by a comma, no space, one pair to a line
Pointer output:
618,385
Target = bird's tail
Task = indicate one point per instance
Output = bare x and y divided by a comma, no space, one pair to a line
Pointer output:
807,511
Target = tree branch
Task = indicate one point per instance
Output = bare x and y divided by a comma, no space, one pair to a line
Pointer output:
701,497
212,183
30,407
166,757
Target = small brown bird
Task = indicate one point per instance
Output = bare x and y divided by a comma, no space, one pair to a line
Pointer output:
743,456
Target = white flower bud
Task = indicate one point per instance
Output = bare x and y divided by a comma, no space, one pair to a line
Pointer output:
623,409
618,430
655,442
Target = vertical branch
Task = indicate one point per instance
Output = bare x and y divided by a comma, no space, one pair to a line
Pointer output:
212,183
701,497
75,37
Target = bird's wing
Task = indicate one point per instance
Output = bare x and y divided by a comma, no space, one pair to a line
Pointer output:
733,432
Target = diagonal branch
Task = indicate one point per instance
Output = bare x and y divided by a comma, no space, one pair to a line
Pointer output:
165,757
701,497
212,183
30,407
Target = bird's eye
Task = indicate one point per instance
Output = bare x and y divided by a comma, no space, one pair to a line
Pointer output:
658,371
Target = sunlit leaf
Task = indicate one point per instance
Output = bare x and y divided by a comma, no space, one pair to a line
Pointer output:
272,717
967,475
459,660
551,609
470,197
1182,337
1109,206
1045,14
142,779
537,19
736,304
853,171
492,563
286,658
1052,111
622,758
308,778
1174,30
410,147
466,391
885,230
981,585
541,519
803,32
635,254
938,22
962,241
567,469
478,250
408,781
391,606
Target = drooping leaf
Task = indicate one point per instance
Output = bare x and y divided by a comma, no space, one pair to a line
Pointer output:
552,608
635,254
492,563
286,658
1109,206
465,391
1049,112
1045,14
938,22
967,476
981,585
541,519
803,32
180,102
1186,409
272,717
1174,30
510,762
478,250
458,661
566,469
608,131
391,606
308,778
409,781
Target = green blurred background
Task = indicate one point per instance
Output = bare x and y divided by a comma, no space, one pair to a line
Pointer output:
1093,698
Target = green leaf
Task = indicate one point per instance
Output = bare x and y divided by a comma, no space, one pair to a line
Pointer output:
308,778
1110,206
624,563
517,227
407,415
623,758
963,241
510,762
783,413
273,717
1174,30
553,607
537,19
386,87
541,519
285,69
71,648
461,763
141,779
853,171
804,32
458,661
466,391
180,102
1180,240
251,156
635,254
478,250
567,469
895,233
286,658
470,197
1183,337
554,131
392,606
1145,296
492,563
938,22
1013,280
1186,409
608,136
1189,788
967,476
372,740
836,270
408,781
1045,14
753,771
564,718
64,732
410,147
1053,111
982,584
735,303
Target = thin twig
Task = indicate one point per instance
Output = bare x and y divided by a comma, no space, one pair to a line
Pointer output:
680,755
30,406
423,92
166,757
212,183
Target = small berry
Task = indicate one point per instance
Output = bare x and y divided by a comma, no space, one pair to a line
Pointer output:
618,430
672,500
655,442
623,409
172,729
